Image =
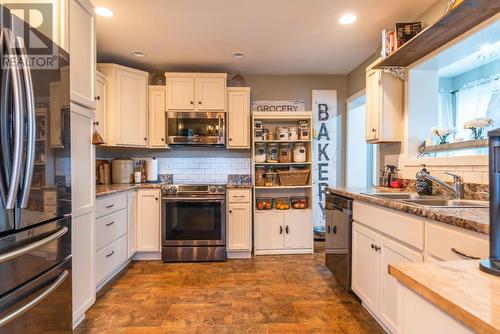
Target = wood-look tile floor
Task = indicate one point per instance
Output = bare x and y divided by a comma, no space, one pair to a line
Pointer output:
267,294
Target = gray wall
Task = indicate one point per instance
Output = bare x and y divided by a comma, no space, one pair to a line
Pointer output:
482,72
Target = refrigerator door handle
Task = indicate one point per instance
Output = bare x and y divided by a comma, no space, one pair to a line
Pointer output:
11,316
4,123
31,247
31,128
17,157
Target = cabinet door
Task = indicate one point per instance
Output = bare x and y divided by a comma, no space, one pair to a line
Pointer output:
148,221
392,253
238,115
83,200
100,111
157,116
365,266
131,108
210,93
83,52
180,92
239,227
298,229
132,223
55,114
372,104
269,230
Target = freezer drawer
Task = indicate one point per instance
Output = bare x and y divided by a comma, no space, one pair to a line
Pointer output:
40,306
29,253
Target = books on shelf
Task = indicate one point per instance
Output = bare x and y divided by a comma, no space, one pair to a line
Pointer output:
393,39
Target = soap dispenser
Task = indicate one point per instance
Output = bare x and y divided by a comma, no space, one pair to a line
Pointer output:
423,185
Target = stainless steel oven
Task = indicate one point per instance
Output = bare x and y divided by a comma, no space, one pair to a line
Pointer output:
193,223
196,128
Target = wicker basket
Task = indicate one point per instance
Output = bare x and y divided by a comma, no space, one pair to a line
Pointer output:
293,177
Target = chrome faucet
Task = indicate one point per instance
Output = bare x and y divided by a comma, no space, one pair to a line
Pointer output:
458,184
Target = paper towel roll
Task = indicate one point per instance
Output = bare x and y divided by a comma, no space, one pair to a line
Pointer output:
152,170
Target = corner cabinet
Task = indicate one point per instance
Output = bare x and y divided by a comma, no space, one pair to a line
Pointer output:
126,105
157,110
384,107
100,109
196,91
238,118
148,220
239,223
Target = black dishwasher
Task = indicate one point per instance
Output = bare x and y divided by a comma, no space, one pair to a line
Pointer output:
338,234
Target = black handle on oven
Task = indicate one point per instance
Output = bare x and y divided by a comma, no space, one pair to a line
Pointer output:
194,199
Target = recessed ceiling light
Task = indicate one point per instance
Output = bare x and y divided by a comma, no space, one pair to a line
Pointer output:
137,53
103,11
347,19
238,55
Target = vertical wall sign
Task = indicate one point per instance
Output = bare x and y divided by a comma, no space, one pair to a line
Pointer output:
325,118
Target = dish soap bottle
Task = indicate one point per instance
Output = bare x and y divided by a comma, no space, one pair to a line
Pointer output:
423,185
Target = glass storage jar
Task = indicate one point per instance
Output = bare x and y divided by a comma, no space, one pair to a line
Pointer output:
260,173
283,134
299,152
272,153
272,179
285,153
260,152
293,133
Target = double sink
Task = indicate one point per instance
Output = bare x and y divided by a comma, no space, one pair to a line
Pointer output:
432,201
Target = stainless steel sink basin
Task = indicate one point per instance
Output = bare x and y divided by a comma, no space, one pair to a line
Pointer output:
448,203
401,196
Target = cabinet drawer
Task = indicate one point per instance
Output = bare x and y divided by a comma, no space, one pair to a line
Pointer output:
239,195
109,228
401,226
110,258
444,243
110,204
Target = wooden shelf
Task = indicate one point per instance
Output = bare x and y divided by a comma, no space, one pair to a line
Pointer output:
283,116
282,163
464,17
468,144
276,210
284,141
285,187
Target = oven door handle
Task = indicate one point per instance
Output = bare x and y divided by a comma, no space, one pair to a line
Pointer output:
191,199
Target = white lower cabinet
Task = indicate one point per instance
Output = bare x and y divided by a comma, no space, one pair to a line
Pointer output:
239,223
148,220
283,232
132,223
110,258
112,234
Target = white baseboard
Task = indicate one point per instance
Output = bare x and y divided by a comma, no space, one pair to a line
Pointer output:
78,320
284,251
239,254
147,256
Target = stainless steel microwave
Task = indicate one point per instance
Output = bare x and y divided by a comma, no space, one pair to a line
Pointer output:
196,128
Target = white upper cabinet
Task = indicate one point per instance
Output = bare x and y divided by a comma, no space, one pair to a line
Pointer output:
384,107
210,92
196,91
82,47
100,110
157,110
238,117
126,105
180,92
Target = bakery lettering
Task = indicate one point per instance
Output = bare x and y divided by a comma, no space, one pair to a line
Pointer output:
323,158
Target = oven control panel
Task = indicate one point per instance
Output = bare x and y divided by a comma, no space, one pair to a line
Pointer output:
191,189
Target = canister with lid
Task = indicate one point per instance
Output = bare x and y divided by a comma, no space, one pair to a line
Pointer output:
285,153
260,152
272,152
299,152
283,134
293,133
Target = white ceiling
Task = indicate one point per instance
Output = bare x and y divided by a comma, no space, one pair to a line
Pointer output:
277,36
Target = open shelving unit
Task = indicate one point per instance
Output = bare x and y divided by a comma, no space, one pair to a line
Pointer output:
283,231
461,19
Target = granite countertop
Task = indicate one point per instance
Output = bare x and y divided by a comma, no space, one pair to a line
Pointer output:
473,219
458,288
108,189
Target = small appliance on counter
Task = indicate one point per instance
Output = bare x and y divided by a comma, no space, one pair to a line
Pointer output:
122,170
492,264
152,170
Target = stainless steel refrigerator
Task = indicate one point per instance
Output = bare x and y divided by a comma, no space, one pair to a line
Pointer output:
35,182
